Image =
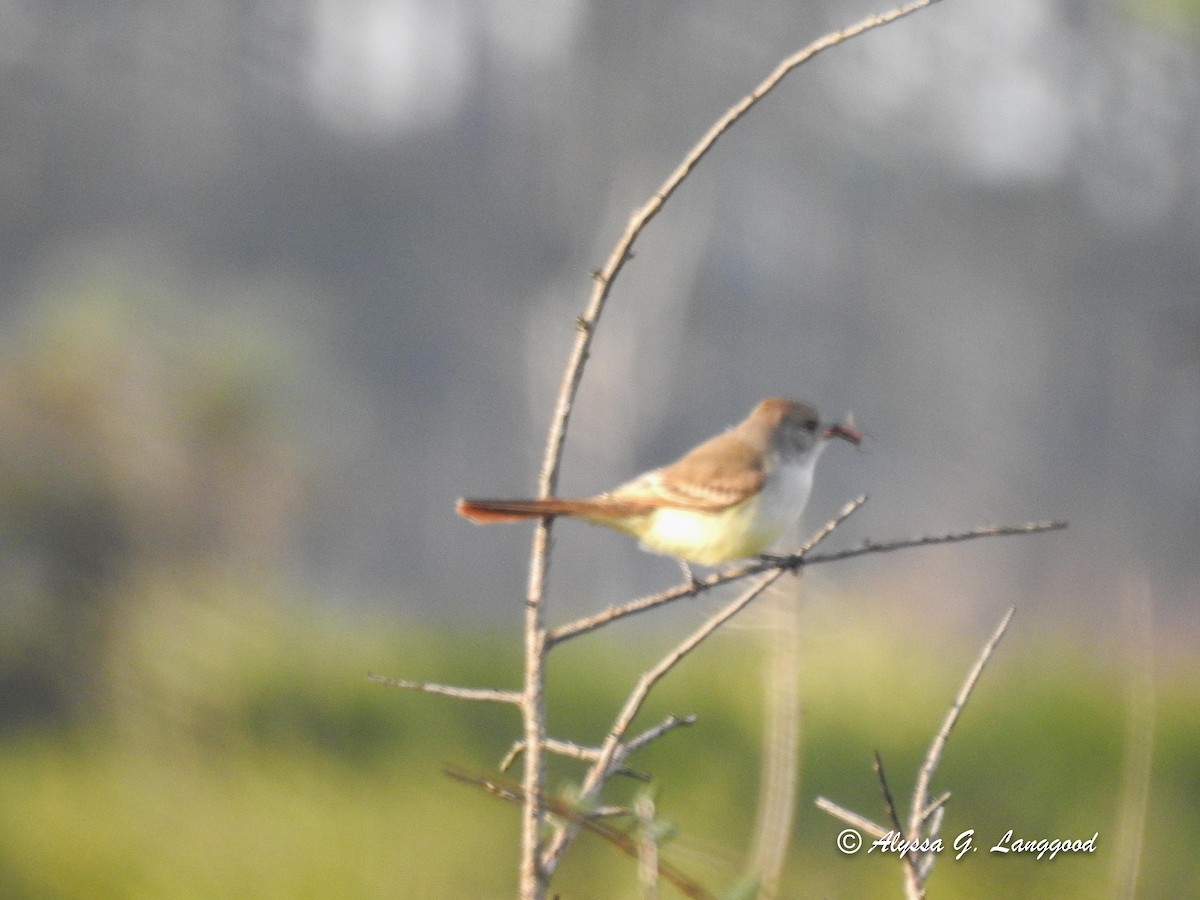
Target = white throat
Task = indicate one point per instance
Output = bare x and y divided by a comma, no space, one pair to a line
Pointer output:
787,487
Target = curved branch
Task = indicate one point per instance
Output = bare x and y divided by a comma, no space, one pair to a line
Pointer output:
533,877
623,249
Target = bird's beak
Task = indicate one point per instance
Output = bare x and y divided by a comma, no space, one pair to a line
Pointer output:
845,430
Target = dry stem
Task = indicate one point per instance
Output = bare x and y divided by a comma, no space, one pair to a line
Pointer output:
485,695
923,812
533,878
614,749
798,559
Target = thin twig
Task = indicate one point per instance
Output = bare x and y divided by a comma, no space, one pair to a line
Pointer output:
613,750
925,862
917,865
736,573
643,604
930,540
800,559
568,749
653,734
650,678
610,812
851,818
572,750
920,808
486,695
889,805
912,856
511,793
934,806
832,525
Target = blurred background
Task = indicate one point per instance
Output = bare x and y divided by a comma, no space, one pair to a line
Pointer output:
280,281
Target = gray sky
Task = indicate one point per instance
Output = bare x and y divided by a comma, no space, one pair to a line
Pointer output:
976,229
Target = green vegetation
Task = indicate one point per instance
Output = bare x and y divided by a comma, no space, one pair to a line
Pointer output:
250,757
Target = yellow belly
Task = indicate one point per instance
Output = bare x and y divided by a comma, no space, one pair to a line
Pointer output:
707,538
744,529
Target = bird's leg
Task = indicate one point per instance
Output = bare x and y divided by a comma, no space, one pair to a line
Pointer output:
688,574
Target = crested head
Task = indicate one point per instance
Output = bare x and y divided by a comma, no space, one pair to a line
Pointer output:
794,427
784,426
780,409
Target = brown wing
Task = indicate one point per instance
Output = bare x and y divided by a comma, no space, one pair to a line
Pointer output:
720,473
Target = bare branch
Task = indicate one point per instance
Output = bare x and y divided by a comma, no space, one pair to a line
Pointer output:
917,864
851,818
925,863
613,613
931,540
642,604
603,278
920,807
572,750
832,525
568,749
934,806
653,734
889,805
486,695
912,857
650,678
613,751
511,792
801,558
611,812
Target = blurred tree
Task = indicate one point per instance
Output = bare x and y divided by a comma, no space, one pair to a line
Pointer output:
138,444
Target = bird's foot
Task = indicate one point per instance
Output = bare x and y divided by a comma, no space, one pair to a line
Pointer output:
787,561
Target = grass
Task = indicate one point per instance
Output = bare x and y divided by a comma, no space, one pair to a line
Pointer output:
265,765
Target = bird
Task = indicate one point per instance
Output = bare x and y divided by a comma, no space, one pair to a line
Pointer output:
729,498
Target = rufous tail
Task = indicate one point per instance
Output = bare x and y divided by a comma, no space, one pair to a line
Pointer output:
488,512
